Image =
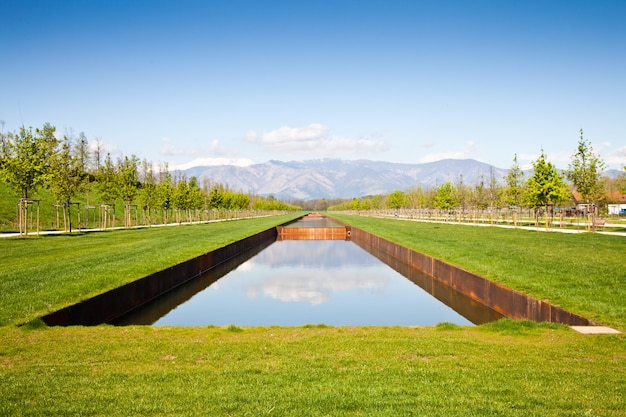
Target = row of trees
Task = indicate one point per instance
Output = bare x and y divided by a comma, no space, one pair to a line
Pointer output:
30,159
545,188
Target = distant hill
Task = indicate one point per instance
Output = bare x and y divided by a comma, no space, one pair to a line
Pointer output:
332,178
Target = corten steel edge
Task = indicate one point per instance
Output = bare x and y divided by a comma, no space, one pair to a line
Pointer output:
313,233
107,307
503,300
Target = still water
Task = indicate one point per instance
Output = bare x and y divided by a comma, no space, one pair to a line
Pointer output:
298,282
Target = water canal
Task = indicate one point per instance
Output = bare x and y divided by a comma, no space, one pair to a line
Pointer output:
298,282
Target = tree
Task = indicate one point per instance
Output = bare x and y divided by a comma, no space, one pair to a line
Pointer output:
180,198
25,160
494,189
164,191
24,164
81,151
446,197
98,150
585,171
65,177
128,184
546,187
108,186
621,180
107,181
148,194
216,197
514,185
479,196
397,200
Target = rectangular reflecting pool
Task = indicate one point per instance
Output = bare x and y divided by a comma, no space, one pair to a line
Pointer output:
298,282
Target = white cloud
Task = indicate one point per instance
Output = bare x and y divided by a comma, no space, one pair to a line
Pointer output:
617,157
287,286
313,140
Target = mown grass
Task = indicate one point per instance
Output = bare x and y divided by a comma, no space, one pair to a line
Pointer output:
497,370
584,273
500,369
42,274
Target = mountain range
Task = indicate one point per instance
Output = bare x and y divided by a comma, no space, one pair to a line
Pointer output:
335,178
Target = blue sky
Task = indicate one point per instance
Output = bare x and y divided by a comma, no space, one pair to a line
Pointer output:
244,82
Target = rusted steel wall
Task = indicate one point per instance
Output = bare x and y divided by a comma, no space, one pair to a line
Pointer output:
311,233
504,300
119,301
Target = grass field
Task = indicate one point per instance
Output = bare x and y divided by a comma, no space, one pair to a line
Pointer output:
500,369
506,369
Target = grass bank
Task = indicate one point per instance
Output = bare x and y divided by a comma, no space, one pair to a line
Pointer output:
502,369
584,273
42,274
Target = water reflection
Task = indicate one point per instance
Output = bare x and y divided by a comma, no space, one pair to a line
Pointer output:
312,271
298,282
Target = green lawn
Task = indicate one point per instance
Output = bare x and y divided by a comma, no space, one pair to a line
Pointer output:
494,370
584,273
499,369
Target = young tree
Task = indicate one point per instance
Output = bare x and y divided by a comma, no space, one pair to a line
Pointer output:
107,185
65,177
164,191
514,185
621,180
147,197
25,160
128,184
446,197
81,152
493,192
196,195
107,181
397,200
98,151
24,164
546,187
585,171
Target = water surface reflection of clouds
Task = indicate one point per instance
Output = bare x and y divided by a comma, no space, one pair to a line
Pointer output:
293,272
298,282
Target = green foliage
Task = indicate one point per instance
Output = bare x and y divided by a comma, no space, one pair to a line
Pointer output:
546,187
127,178
107,182
585,171
514,185
622,180
25,159
272,204
446,197
397,200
